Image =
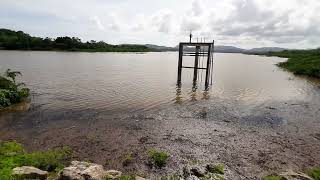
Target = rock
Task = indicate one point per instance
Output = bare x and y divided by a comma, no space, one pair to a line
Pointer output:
29,172
83,171
186,172
198,171
290,175
113,174
139,178
192,177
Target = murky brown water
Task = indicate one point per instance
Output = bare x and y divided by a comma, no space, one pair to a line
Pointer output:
105,105
128,82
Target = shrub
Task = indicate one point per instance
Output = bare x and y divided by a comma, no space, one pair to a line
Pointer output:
158,158
6,83
4,101
24,92
10,91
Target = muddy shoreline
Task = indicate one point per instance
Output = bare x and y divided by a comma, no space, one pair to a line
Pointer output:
252,143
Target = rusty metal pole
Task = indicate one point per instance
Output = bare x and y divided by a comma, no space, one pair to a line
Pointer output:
196,62
180,63
208,66
212,53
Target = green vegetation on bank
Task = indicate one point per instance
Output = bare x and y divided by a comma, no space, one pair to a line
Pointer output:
13,155
217,169
158,158
18,40
314,173
10,91
302,62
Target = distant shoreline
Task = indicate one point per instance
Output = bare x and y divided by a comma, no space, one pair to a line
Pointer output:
18,40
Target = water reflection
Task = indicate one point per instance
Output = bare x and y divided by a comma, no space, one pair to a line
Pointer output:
126,82
194,94
178,98
206,94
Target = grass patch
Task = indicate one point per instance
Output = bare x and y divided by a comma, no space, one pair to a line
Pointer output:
217,169
158,158
314,173
128,159
13,155
302,62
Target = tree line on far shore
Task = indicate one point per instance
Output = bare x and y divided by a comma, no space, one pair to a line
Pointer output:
18,40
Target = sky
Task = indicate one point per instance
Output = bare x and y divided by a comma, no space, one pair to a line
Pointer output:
241,23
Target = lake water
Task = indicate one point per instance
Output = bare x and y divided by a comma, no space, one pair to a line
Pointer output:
130,82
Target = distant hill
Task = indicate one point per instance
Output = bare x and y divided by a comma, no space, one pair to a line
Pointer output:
263,50
160,48
220,49
227,49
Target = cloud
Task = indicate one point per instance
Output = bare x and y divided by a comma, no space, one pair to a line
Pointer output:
249,19
246,23
98,23
162,21
114,22
197,8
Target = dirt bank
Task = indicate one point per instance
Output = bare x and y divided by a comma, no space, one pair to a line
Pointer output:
250,141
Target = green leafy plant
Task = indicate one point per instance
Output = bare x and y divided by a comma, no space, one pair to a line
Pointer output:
158,158
10,91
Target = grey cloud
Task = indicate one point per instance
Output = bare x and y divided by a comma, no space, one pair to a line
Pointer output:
197,8
248,20
162,21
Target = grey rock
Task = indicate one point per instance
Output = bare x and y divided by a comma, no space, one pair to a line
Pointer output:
29,172
139,178
290,175
83,171
113,174
192,177
186,172
198,171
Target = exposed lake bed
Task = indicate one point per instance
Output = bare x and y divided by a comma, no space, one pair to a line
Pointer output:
256,119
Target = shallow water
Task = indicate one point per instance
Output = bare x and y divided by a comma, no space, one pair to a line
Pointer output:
129,82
